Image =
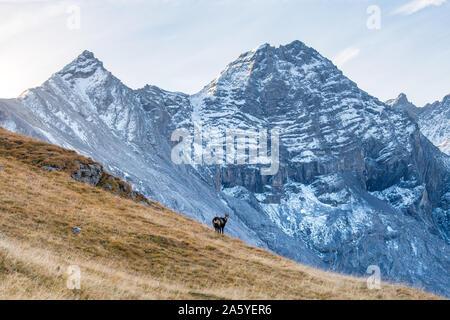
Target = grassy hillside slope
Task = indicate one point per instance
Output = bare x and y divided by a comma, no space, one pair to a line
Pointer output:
128,250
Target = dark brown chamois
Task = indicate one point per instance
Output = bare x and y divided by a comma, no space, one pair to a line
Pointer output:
219,223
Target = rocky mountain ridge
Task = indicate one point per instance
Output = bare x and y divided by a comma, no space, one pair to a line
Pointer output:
433,119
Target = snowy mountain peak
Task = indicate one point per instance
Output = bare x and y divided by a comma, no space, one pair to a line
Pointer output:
402,103
262,47
270,69
433,119
444,103
402,100
292,48
435,123
446,100
85,65
83,88
295,52
87,54
297,47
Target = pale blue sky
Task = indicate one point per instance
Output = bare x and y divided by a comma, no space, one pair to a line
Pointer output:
182,45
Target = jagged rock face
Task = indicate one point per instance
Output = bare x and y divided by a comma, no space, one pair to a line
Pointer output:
358,184
435,123
327,124
433,119
90,173
402,103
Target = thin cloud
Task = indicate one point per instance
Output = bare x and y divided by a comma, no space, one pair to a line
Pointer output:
345,56
417,5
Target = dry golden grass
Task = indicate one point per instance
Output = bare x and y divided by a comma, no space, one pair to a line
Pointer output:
130,251
41,154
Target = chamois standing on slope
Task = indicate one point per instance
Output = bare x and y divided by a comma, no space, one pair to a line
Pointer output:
219,223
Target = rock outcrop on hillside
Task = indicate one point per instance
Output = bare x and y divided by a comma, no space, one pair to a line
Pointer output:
52,158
